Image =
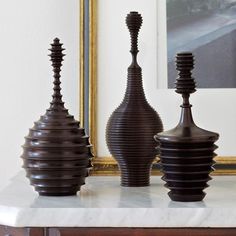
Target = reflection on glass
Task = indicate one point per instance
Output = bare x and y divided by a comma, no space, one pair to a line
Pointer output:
208,29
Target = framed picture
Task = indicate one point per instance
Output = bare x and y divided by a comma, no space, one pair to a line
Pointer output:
104,59
208,29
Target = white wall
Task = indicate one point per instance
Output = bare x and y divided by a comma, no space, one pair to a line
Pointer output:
213,109
27,27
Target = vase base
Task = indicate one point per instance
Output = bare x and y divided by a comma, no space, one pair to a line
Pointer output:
126,184
186,198
135,178
57,194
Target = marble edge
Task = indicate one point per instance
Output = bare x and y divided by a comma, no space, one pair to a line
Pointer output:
119,217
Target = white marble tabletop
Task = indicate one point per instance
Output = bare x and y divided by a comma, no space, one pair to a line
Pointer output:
103,203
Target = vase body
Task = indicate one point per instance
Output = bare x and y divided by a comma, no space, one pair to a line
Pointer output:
187,151
56,153
131,127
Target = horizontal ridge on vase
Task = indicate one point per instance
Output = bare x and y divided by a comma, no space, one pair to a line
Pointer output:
187,151
56,154
131,127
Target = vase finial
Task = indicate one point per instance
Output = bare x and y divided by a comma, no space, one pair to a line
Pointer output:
56,59
185,83
134,21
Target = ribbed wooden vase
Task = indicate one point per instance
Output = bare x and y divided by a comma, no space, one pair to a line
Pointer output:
131,127
187,151
56,151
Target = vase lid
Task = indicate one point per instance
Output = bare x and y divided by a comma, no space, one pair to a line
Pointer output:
186,130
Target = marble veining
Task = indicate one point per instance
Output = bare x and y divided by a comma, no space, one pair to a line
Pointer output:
103,203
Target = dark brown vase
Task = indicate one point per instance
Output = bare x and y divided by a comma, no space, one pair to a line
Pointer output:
131,127
56,152
186,151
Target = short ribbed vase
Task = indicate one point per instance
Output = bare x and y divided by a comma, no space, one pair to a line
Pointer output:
57,152
187,151
131,127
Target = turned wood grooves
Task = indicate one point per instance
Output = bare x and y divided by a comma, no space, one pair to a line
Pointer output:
187,151
131,127
57,152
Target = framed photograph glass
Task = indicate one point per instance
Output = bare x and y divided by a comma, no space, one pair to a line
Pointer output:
208,29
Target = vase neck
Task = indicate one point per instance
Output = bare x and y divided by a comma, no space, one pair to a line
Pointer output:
56,58
186,118
134,89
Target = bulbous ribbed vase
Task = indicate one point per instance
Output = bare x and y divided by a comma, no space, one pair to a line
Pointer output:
186,151
131,127
57,152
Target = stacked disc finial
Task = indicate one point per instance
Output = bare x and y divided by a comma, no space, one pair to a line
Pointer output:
57,152
187,151
131,126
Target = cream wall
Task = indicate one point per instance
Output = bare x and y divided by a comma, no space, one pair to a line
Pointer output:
213,109
27,27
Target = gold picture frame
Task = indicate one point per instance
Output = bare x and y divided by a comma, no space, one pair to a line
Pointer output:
88,46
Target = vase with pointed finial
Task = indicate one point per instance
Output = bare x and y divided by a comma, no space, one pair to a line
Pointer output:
187,151
57,152
131,127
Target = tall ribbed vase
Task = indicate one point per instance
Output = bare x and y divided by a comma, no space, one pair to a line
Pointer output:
131,127
56,151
